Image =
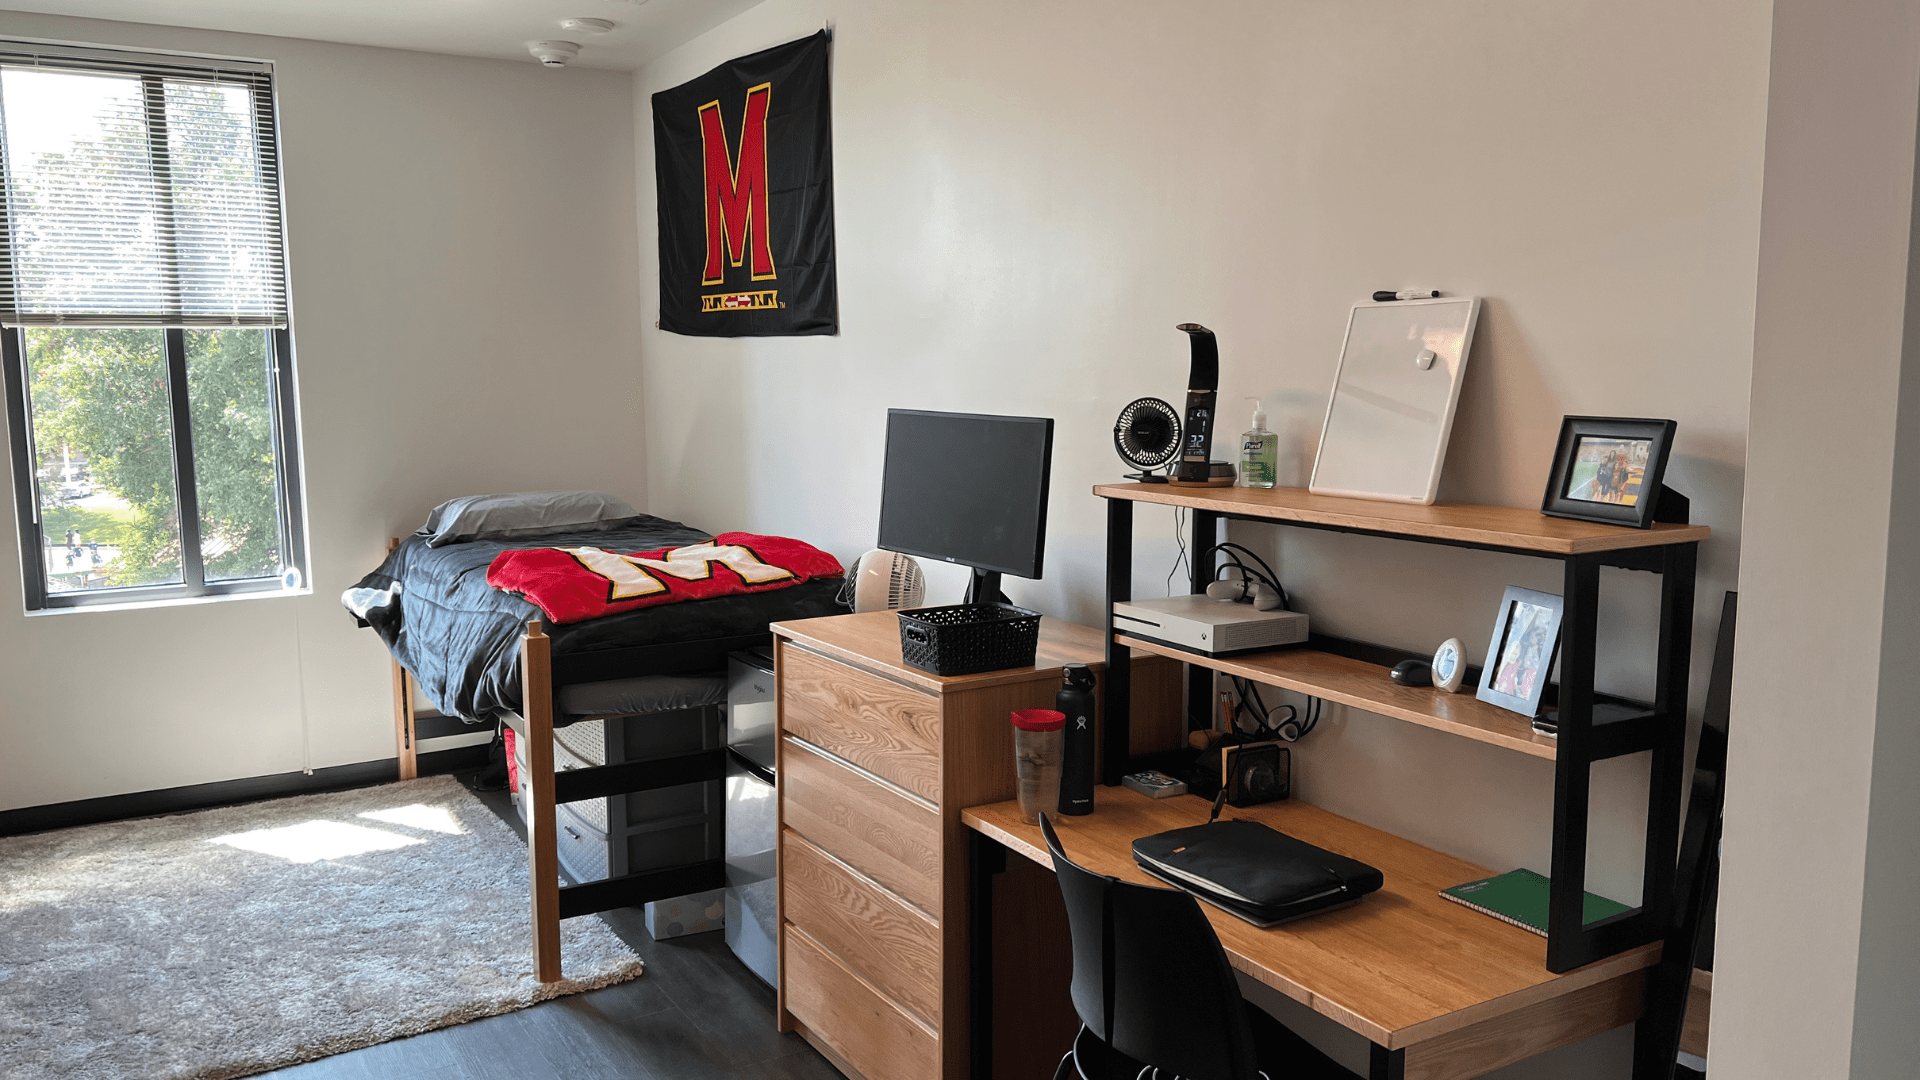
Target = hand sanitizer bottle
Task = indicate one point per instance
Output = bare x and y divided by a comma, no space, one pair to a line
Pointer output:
1259,452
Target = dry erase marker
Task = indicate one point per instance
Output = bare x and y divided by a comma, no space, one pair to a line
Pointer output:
1385,295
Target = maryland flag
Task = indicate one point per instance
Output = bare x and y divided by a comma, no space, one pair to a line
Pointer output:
571,584
743,177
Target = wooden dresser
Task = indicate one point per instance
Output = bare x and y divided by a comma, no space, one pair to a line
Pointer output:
876,761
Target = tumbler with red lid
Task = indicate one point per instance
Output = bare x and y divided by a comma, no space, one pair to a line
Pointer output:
1039,744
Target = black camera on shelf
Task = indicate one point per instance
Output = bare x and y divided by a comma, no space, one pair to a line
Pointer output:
1251,772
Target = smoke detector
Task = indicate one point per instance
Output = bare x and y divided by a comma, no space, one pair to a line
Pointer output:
553,53
586,26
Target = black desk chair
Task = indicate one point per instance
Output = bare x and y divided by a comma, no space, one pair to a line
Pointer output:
1155,992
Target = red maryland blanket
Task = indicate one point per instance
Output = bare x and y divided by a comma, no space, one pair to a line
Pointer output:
575,583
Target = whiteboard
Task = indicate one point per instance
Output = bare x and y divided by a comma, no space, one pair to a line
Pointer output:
1385,435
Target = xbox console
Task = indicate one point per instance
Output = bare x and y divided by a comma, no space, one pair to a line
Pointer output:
1201,624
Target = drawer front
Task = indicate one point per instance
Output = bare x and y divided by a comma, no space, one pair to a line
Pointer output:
581,846
887,941
883,727
891,838
862,1026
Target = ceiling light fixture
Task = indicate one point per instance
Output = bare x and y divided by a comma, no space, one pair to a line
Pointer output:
586,26
553,53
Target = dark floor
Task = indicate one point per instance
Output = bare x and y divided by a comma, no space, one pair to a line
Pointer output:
697,1013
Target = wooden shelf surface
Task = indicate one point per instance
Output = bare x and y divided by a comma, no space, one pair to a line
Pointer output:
1400,967
1366,686
1511,527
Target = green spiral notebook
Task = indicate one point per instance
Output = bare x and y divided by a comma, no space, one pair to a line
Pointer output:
1520,897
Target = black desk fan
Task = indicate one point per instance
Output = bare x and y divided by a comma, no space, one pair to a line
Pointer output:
1147,437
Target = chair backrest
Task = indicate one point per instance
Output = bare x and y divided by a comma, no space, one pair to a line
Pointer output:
1657,1036
1149,975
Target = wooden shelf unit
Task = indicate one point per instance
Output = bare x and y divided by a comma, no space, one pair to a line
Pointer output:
1592,726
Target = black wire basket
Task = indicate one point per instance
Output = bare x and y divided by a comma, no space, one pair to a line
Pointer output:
964,638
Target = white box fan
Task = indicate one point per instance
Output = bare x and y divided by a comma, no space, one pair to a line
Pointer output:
884,581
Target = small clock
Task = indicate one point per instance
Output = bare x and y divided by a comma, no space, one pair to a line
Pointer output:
1450,665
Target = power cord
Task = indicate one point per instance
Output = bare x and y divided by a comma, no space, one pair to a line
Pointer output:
1293,728
1297,725
1180,544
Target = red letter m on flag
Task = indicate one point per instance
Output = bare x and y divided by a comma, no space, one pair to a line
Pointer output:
736,190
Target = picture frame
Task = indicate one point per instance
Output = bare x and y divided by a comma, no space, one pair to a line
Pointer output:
1526,641
1609,469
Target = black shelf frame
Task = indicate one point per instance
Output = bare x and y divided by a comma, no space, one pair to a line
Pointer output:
1658,728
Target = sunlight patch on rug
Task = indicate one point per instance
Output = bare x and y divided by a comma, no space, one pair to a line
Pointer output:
312,841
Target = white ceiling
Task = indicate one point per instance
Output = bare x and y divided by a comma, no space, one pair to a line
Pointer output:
495,28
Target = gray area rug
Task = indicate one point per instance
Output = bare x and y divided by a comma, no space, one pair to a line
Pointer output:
234,941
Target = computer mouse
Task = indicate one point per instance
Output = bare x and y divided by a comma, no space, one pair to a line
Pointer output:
1412,673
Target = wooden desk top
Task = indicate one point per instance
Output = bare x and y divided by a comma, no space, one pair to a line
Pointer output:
1512,527
1399,967
871,640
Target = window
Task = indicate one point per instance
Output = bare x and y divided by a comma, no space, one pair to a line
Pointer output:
148,349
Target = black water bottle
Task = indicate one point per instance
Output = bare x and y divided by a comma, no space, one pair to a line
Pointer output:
1076,770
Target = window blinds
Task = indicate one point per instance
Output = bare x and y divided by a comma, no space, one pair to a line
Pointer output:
140,190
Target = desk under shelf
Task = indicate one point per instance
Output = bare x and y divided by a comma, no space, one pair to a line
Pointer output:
1439,989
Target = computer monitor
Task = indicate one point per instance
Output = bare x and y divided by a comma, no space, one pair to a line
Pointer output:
968,489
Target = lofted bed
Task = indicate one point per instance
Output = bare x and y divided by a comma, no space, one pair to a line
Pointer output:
486,654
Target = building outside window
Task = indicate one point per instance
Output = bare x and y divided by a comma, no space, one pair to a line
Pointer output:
148,347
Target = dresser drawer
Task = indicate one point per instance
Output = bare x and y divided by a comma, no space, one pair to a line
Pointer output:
891,730
890,837
873,1034
887,941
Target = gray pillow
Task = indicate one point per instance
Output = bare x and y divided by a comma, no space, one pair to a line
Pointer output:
524,513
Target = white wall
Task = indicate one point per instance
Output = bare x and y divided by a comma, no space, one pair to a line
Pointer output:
1825,982
1030,196
464,296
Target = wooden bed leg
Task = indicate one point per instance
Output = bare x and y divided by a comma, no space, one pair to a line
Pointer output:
403,740
403,695
536,705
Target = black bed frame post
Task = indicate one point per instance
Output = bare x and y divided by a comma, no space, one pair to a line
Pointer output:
1568,945
1117,724
1206,533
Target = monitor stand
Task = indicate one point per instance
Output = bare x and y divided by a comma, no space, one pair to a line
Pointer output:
985,588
